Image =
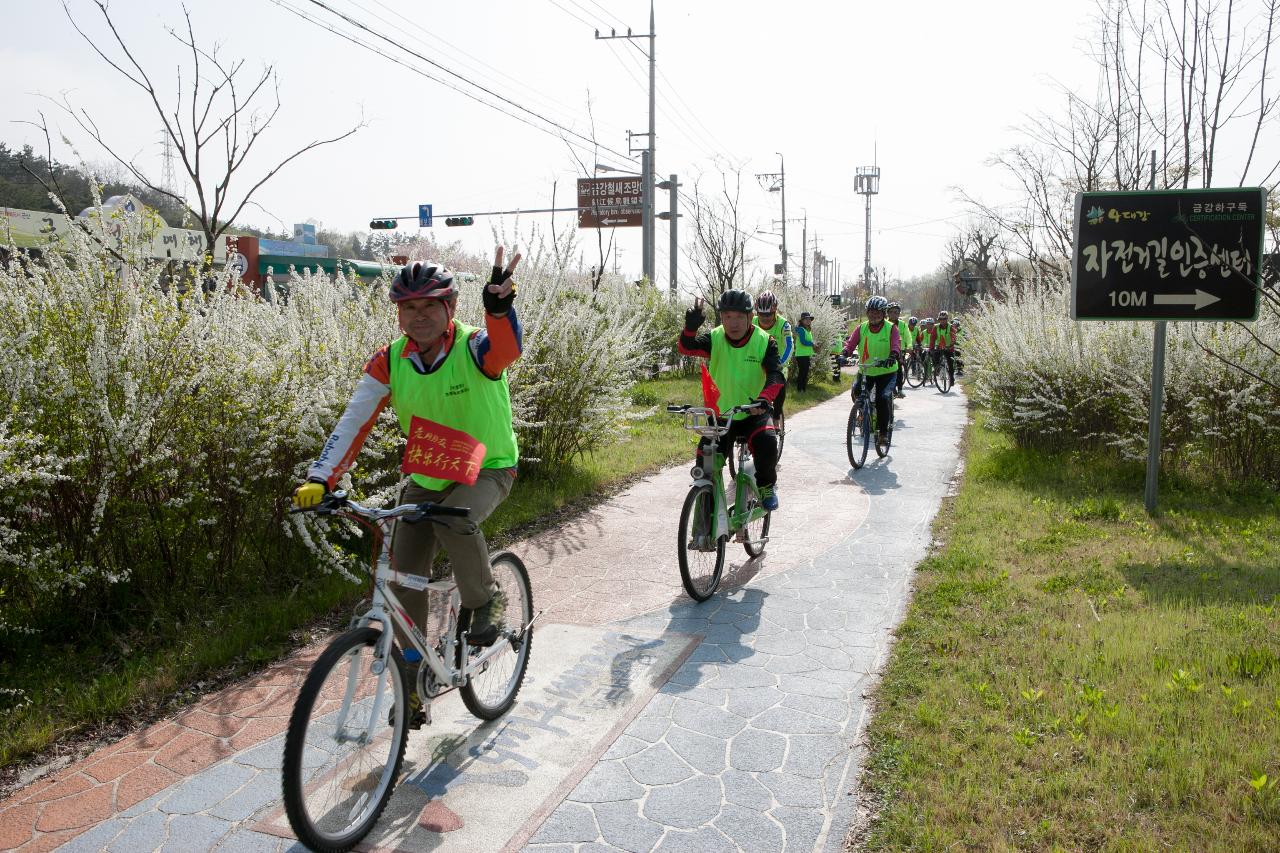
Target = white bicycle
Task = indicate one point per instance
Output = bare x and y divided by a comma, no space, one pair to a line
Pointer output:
347,734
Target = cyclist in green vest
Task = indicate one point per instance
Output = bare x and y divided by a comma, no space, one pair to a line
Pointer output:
743,368
904,335
444,371
779,328
942,344
804,350
876,340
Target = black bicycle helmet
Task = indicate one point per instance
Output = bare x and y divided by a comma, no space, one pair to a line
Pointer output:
877,303
735,300
422,281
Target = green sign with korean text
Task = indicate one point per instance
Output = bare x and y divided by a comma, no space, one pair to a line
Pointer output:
1168,254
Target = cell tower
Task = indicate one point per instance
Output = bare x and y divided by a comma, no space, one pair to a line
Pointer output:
867,182
168,178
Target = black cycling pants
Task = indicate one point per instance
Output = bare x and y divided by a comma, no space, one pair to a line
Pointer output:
802,366
763,441
882,386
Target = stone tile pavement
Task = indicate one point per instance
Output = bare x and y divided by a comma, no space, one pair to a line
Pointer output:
752,744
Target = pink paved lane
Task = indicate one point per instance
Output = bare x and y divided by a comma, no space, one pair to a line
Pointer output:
615,561
57,808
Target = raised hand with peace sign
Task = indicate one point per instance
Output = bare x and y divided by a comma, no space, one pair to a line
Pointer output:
694,317
500,292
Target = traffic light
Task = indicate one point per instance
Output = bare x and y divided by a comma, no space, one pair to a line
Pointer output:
385,224
459,220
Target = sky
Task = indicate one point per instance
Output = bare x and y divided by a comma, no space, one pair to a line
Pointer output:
927,91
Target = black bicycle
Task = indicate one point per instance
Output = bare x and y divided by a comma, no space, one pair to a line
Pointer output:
862,431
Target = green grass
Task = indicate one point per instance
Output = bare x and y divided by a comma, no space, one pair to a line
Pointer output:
1073,675
95,677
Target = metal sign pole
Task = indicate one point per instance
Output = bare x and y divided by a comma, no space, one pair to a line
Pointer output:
1153,426
1157,400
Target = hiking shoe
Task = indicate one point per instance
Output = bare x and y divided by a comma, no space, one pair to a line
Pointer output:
768,498
487,620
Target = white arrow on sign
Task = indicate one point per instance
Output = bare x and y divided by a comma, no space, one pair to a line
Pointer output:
1200,299
612,221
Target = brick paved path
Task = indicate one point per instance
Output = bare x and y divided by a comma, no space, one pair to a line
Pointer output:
750,745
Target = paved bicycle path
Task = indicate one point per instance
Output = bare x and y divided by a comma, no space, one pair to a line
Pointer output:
646,721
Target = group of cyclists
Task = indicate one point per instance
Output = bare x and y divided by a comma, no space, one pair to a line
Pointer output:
445,377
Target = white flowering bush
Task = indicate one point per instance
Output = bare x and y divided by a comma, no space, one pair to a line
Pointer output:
158,417
828,325
1051,382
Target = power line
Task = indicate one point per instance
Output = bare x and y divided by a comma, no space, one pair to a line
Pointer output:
360,25
529,92
282,4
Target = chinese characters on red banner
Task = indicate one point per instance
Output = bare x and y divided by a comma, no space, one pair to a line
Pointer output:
435,450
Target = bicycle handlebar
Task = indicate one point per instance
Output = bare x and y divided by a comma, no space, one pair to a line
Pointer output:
335,502
747,407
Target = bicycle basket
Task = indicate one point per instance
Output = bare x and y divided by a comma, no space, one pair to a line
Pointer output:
703,421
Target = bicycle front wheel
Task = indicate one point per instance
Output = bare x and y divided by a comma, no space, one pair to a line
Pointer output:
345,743
942,377
491,691
857,437
701,556
781,429
915,371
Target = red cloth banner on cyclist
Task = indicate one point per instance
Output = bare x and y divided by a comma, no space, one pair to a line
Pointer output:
435,450
710,391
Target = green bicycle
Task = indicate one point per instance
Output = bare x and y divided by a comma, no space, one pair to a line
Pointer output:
707,520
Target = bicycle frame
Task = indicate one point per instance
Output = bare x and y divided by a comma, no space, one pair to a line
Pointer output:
387,610
703,421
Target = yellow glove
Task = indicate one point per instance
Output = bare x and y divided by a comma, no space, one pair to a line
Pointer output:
308,495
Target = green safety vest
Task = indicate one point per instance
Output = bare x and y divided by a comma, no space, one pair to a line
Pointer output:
904,334
916,334
944,336
457,395
803,349
779,333
738,371
873,346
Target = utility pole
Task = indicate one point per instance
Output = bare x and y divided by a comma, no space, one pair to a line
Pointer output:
647,226
778,184
867,183
672,186
804,251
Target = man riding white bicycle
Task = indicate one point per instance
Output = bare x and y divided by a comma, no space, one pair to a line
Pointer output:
442,377
875,341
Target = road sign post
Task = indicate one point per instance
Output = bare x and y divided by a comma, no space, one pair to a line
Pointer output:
1166,256
424,216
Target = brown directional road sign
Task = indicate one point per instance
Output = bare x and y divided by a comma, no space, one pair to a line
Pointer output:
610,202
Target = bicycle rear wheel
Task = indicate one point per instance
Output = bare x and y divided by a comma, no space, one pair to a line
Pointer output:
701,559
490,692
857,437
756,532
342,755
882,447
